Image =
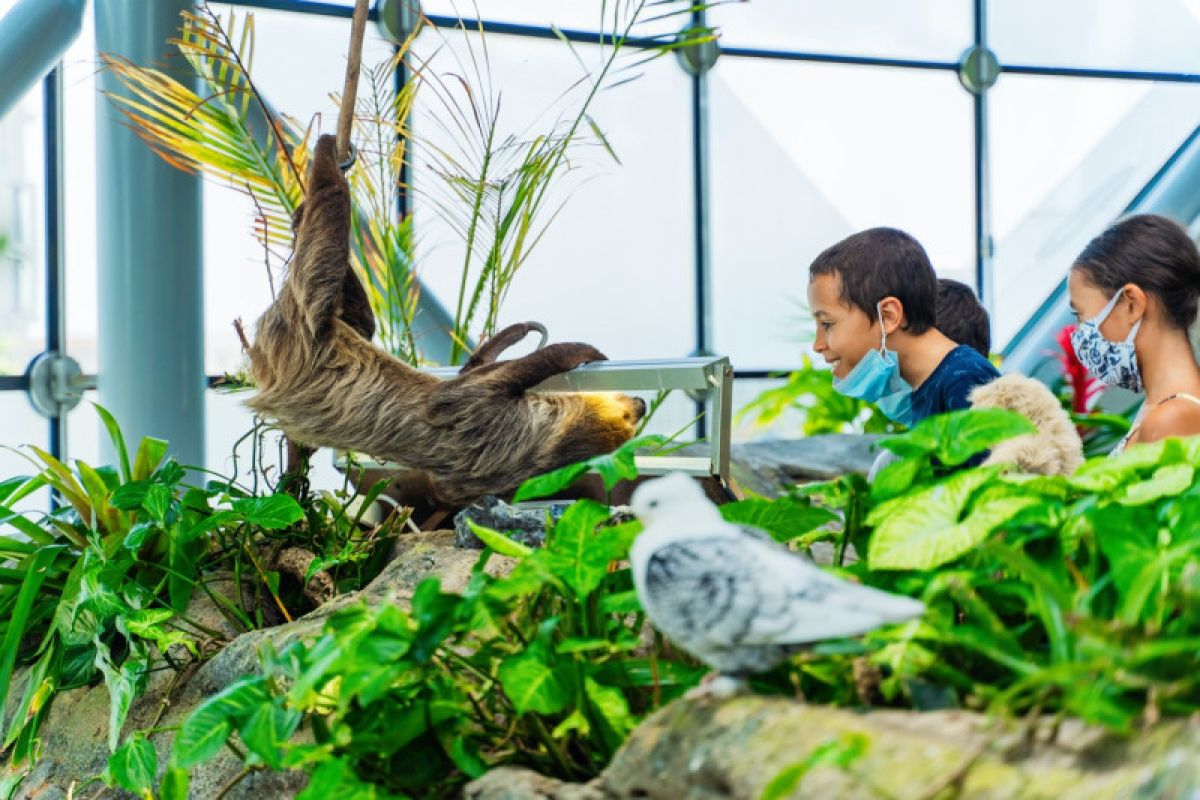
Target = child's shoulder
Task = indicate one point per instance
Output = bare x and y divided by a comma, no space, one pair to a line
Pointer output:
961,371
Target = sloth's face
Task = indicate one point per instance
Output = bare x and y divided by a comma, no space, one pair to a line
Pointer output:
605,420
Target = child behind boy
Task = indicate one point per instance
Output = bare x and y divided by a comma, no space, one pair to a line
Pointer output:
961,316
874,297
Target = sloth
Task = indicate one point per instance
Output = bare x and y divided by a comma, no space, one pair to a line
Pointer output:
326,384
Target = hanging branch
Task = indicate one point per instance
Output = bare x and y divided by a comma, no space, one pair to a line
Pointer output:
358,27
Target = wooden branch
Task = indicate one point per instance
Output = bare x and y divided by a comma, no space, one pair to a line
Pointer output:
358,28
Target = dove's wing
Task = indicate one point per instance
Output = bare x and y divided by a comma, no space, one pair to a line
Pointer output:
727,592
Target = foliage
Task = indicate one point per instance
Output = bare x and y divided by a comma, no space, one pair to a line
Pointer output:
543,667
99,587
1044,594
809,390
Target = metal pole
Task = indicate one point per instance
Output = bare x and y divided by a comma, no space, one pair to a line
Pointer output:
55,302
150,258
33,36
702,244
984,283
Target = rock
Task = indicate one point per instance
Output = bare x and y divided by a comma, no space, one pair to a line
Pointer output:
527,526
512,783
75,732
707,749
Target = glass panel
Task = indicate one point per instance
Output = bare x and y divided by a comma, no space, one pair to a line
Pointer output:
21,426
80,95
615,267
1158,35
22,234
572,14
235,272
806,154
1067,157
915,29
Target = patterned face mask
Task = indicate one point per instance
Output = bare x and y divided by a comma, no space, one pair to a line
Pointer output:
1113,363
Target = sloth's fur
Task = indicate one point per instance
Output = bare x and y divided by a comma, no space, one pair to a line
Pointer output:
324,382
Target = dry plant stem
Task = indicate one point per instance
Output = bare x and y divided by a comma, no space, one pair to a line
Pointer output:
358,28
956,776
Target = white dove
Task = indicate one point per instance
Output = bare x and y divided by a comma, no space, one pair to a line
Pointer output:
732,596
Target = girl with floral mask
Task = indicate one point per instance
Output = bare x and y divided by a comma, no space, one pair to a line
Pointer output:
1134,289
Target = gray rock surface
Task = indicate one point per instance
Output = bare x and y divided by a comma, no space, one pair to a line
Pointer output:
768,467
527,526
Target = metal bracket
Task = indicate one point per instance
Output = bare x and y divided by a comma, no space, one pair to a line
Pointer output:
398,19
978,69
56,384
697,59
711,377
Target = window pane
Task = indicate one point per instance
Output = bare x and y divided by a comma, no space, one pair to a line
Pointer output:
573,14
79,201
22,234
806,154
615,267
1157,35
21,426
1067,157
236,284
915,29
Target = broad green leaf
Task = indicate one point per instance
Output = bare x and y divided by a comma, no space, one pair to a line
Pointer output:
129,496
118,441
1106,474
549,483
621,603
610,702
174,784
784,519
931,527
957,435
134,766
206,729
1167,481
157,502
533,680
896,478
148,624
267,730
271,513
499,542
136,537
574,553
124,683
107,517
150,454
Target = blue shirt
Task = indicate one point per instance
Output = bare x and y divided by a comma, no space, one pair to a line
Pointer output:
950,384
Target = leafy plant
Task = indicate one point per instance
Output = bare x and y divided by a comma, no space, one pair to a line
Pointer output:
809,390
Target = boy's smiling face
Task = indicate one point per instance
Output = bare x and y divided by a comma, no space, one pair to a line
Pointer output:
844,333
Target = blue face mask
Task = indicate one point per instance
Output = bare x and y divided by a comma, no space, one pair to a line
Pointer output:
876,379
1113,363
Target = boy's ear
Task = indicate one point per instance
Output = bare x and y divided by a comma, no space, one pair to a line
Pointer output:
891,310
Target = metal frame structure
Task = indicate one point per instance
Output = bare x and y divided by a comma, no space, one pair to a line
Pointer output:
1028,339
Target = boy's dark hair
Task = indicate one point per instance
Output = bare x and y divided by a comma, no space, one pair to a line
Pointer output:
1153,253
879,263
961,317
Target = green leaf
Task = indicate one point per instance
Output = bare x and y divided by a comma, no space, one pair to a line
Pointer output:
134,766
129,496
268,730
1167,481
124,683
147,623
784,519
270,513
549,483
36,569
206,729
896,478
927,529
118,441
574,553
150,454
174,784
957,435
610,702
499,542
157,502
532,680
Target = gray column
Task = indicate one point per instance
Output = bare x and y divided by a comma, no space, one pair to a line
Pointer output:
33,36
151,290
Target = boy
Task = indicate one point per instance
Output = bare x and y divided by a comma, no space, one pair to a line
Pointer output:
874,298
962,318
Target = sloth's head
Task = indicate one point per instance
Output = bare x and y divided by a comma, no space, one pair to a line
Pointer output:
598,422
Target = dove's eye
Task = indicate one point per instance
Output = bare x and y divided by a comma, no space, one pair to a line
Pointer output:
654,504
